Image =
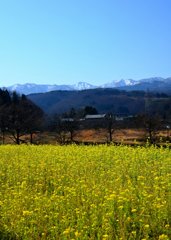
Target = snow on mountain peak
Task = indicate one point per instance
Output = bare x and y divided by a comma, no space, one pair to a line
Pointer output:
29,88
83,85
120,83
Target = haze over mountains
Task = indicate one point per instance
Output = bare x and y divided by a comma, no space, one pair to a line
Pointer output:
156,84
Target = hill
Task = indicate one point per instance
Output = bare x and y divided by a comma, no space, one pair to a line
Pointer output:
104,100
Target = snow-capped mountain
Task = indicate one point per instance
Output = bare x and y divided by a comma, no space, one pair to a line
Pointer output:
83,85
29,88
128,84
120,83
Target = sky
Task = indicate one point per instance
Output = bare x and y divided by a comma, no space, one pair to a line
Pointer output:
94,41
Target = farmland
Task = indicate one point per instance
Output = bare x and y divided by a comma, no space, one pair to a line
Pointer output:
85,192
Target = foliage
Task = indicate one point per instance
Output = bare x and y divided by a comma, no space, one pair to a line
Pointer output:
18,115
85,192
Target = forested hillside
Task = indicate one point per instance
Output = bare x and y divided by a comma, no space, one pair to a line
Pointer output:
104,100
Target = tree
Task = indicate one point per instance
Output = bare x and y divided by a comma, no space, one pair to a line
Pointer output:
34,117
70,126
26,118
18,115
65,129
5,101
151,119
3,122
110,125
151,124
90,110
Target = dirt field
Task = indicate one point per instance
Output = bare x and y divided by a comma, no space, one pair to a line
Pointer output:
125,136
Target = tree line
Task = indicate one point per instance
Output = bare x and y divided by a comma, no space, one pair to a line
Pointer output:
18,116
66,125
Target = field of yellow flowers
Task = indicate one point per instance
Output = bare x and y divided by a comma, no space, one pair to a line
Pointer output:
85,192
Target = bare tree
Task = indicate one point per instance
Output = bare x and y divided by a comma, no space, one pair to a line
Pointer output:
151,119
110,125
152,125
65,129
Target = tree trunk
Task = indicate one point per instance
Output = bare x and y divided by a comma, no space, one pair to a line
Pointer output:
31,138
18,137
3,137
110,135
71,136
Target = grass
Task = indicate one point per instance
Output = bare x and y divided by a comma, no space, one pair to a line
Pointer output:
85,192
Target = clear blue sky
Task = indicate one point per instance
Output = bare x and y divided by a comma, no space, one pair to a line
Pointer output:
97,41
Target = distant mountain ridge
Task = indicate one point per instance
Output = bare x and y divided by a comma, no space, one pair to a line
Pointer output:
29,88
159,85
105,100
152,84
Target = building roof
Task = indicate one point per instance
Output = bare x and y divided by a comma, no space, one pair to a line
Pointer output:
95,116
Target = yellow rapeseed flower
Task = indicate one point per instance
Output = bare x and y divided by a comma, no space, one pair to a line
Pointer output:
163,237
67,231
